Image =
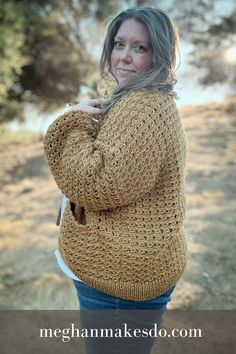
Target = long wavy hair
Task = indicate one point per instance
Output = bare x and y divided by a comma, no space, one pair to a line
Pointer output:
164,43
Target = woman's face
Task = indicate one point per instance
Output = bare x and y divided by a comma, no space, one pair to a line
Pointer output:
132,53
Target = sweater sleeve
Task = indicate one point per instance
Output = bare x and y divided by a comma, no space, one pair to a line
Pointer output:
118,165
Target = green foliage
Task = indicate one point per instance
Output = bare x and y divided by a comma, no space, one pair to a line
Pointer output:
45,57
12,40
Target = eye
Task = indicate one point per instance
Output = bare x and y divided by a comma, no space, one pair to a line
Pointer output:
140,48
118,45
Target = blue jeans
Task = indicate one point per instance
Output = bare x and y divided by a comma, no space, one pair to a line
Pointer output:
122,313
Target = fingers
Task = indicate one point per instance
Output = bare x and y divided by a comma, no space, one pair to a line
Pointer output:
95,111
94,103
73,107
92,107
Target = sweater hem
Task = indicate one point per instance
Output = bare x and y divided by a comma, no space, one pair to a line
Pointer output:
131,291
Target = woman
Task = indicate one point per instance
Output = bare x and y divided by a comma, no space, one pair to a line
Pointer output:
121,165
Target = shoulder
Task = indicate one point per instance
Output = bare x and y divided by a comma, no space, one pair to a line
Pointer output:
145,100
143,106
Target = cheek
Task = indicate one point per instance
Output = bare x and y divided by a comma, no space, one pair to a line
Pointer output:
114,58
143,63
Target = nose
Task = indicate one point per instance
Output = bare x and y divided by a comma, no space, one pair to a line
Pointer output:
126,55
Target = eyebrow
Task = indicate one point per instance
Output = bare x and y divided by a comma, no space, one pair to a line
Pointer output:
135,41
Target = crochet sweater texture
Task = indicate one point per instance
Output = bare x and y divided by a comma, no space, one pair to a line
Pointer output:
122,229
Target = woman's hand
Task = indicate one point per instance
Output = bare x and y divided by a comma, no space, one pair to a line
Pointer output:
92,107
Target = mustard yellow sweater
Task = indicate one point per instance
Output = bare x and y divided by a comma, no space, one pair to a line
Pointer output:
125,179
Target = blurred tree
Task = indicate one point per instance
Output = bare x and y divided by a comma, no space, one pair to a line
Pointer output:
211,48
205,25
12,56
44,56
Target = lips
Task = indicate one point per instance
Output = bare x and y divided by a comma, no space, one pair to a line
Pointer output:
125,71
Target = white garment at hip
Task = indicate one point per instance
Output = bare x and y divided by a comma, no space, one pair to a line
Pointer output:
59,258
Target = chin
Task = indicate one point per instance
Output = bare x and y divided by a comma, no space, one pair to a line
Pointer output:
122,79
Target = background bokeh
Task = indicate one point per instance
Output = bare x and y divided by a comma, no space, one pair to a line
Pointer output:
49,55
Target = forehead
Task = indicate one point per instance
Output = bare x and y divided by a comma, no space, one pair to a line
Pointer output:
133,30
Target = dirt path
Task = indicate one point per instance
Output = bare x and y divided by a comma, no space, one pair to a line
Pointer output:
29,275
